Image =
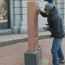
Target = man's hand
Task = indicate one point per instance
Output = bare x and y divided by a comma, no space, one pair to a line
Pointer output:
38,10
45,28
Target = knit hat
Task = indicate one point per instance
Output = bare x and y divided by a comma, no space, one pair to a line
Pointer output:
49,6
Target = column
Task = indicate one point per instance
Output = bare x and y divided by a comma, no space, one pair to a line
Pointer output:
11,13
16,15
23,23
64,14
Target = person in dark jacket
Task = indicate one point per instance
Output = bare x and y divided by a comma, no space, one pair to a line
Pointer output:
56,28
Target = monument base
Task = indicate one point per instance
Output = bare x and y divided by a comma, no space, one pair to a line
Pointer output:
33,58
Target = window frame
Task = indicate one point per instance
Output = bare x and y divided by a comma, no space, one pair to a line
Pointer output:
9,20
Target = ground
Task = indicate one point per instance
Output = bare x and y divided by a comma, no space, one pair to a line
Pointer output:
14,54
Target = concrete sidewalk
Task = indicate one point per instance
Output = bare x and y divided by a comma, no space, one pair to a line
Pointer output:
15,38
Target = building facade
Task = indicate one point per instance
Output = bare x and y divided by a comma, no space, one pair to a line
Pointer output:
17,16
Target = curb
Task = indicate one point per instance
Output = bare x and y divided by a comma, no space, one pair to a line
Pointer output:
22,40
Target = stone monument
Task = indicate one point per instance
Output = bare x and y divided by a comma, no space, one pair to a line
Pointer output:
33,56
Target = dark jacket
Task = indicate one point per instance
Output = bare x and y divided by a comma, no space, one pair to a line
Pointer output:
55,23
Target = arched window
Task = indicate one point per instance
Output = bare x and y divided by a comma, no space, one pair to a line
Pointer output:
4,14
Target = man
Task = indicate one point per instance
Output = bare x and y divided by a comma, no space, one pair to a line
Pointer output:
57,31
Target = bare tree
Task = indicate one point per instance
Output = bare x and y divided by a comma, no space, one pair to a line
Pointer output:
4,4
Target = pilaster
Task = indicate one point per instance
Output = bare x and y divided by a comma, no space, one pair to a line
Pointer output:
17,15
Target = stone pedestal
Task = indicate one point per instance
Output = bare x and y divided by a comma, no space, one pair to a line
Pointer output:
33,58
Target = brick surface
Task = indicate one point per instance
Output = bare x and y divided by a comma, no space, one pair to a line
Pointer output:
14,54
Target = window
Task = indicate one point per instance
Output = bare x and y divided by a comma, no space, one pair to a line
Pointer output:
50,1
4,14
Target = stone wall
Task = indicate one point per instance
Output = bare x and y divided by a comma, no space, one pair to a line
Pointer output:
18,14
60,5
64,14
41,21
